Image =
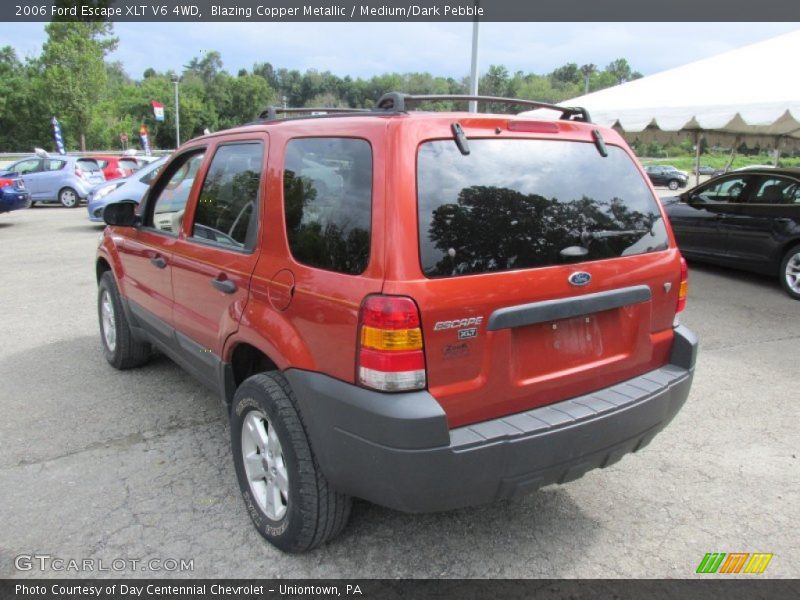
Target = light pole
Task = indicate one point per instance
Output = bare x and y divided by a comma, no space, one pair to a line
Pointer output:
473,83
176,81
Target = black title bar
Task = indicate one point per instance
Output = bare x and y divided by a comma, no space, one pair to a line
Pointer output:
262,11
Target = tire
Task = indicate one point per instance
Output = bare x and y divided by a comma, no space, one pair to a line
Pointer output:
673,184
121,349
69,198
32,204
790,272
305,511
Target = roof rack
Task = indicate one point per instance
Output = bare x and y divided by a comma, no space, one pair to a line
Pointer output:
271,112
396,102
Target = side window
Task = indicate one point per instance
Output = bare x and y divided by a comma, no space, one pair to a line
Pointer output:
726,190
774,190
227,207
327,190
148,177
27,166
54,165
169,202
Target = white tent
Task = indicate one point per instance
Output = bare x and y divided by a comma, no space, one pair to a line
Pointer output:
750,93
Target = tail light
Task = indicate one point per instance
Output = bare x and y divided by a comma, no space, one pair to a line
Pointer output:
683,289
122,172
5,182
390,351
79,173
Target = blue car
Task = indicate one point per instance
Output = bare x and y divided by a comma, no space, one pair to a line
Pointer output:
13,195
63,179
127,188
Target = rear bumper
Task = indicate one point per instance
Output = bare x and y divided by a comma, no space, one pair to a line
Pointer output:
13,200
395,449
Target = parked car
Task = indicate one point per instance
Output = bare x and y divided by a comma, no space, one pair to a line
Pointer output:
13,195
705,170
471,308
64,179
115,167
128,188
664,175
746,220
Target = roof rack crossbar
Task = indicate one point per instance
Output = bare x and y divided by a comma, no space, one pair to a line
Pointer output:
395,101
272,111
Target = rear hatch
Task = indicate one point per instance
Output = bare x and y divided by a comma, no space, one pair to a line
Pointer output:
548,273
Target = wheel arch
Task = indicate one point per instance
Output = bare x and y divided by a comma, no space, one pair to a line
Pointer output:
782,250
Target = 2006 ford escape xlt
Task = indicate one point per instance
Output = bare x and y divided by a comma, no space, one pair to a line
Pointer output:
424,310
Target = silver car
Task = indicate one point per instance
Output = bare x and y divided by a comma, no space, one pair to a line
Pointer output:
64,179
127,188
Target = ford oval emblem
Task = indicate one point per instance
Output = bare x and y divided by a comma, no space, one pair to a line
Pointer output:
580,278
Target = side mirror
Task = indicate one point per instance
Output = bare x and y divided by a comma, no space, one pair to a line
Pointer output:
121,214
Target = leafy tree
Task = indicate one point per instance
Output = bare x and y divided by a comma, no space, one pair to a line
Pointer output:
74,71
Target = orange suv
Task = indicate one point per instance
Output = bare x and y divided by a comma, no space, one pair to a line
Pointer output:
424,310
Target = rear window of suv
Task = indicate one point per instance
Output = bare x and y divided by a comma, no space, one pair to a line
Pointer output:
521,204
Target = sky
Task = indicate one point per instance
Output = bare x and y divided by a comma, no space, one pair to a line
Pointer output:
366,49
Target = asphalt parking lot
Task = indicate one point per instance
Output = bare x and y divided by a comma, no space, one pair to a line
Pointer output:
100,464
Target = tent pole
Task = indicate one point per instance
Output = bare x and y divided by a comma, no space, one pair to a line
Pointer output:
777,149
697,157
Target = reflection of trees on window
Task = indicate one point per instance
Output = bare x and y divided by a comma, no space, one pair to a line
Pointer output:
497,229
325,241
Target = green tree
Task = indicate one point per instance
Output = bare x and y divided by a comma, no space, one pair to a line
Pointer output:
75,72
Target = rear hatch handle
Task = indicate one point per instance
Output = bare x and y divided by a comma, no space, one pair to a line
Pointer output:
566,308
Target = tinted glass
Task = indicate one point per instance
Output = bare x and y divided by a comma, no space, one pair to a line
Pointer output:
228,201
775,190
327,190
730,189
520,204
102,162
88,165
129,164
170,203
27,166
148,177
54,165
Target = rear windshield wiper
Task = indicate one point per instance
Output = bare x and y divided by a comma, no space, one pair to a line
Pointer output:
587,236
460,138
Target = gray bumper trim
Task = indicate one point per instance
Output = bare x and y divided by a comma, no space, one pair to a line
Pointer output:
395,449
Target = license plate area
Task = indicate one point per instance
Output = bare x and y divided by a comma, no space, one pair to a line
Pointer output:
566,346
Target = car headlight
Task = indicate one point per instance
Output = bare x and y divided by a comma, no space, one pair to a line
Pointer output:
105,191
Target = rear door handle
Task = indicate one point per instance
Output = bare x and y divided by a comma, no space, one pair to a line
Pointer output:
158,261
223,285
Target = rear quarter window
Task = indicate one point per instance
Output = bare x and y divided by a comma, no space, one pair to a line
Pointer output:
327,189
521,204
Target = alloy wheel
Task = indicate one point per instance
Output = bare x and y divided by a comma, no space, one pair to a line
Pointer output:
264,465
107,321
792,273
